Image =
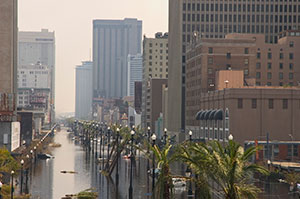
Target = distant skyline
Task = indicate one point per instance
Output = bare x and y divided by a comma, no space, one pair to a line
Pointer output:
72,23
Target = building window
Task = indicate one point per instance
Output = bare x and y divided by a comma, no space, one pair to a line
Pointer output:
210,60
291,75
291,55
269,83
228,55
269,75
269,55
210,50
257,75
285,103
246,72
240,103
295,148
209,70
246,61
280,75
269,66
254,103
276,150
280,55
258,65
258,55
280,65
246,50
291,42
291,66
271,103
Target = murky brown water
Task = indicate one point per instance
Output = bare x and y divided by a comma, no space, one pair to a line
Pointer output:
46,181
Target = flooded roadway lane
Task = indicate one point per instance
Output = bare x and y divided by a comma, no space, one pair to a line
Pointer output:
47,182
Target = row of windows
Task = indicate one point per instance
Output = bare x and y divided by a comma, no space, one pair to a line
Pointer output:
160,63
240,7
269,66
160,57
270,103
156,44
240,18
269,75
270,84
160,51
160,70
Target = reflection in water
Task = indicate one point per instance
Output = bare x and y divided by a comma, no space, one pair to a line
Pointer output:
46,181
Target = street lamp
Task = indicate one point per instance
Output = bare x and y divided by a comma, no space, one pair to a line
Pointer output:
230,137
226,83
190,134
269,164
12,185
153,137
108,144
21,187
131,163
117,171
96,147
188,173
165,135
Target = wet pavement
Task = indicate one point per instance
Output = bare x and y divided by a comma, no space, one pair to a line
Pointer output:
47,182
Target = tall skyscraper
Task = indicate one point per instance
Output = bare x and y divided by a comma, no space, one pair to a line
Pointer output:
8,48
155,66
135,72
84,90
39,47
215,19
113,41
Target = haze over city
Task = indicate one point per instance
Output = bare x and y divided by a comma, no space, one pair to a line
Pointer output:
72,22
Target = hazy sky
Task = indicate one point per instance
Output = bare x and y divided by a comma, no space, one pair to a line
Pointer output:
72,22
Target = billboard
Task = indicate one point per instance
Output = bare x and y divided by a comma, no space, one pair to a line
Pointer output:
15,135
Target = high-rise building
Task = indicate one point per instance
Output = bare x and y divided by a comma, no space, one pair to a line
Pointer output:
8,48
9,128
215,19
39,48
258,73
155,65
113,41
84,90
135,72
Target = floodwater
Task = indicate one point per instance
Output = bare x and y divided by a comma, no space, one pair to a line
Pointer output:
47,182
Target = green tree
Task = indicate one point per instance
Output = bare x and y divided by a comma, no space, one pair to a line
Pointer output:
193,155
231,170
164,183
7,162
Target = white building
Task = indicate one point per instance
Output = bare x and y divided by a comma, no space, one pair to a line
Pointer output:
39,47
135,72
34,76
84,90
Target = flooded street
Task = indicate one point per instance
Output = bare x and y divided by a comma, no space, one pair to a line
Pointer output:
47,182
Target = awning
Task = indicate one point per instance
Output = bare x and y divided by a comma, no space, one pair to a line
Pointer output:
203,114
211,115
198,115
206,116
218,115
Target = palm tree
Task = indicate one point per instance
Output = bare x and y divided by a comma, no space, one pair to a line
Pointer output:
164,184
231,170
193,154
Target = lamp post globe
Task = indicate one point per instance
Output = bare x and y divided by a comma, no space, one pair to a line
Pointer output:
230,137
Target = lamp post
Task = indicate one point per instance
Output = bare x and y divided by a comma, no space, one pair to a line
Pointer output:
108,144
117,171
292,138
21,186
103,145
93,137
96,147
131,162
188,170
12,184
165,135
34,153
190,134
153,163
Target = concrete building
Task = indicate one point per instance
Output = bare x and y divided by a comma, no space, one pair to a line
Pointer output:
9,127
155,102
246,61
138,96
84,90
155,65
215,19
135,72
39,47
113,41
